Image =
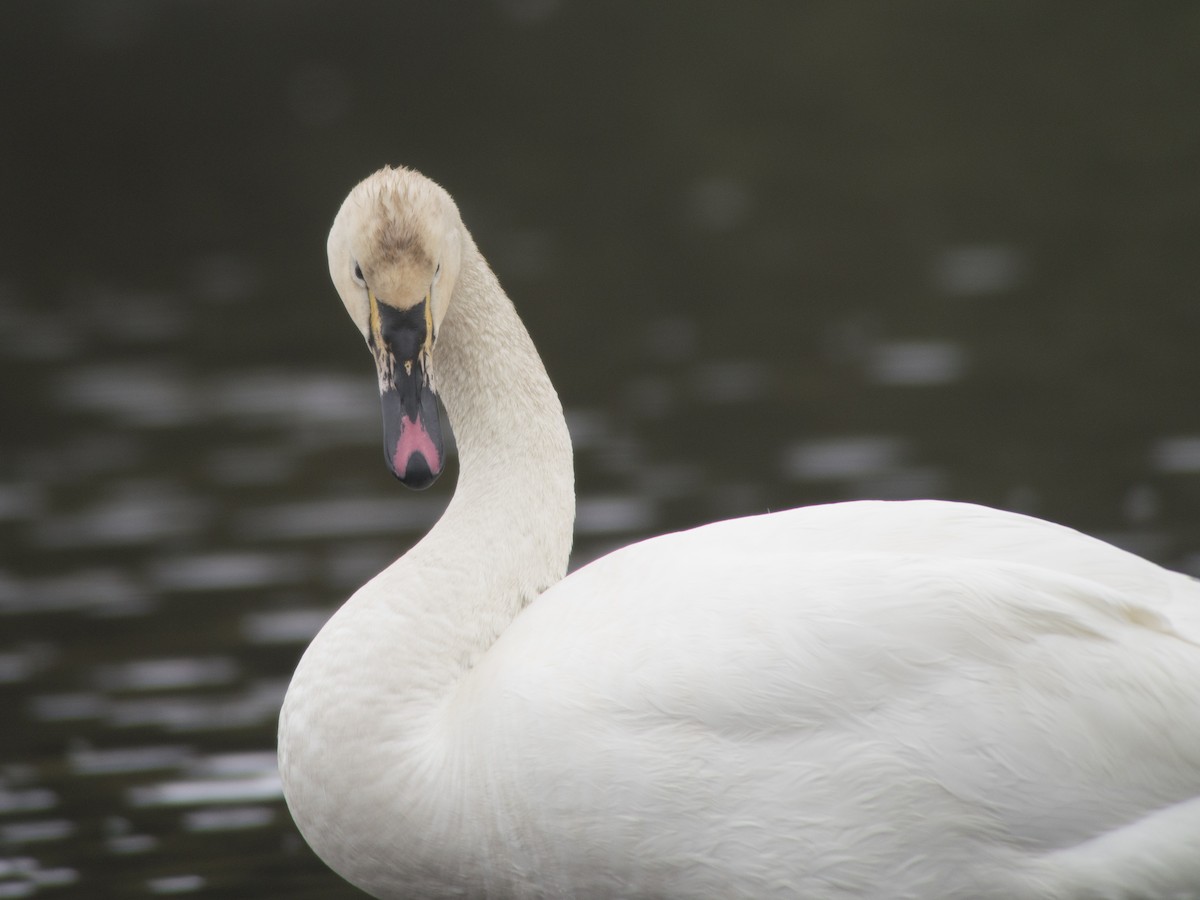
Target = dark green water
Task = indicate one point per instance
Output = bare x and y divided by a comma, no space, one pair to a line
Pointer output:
772,254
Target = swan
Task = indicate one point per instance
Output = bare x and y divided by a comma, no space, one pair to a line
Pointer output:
915,699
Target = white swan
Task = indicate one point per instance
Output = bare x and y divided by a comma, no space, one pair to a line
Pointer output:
867,700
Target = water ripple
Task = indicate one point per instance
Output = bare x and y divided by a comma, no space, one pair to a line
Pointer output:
124,760
133,513
94,591
139,395
26,800
227,571
839,458
917,363
215,791
237,818
167,674
340,518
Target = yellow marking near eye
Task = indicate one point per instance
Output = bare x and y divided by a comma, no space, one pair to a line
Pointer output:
376,322
429,321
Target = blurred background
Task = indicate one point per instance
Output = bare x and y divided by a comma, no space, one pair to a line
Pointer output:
772,254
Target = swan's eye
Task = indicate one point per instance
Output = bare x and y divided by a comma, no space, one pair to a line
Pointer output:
358,276
437,272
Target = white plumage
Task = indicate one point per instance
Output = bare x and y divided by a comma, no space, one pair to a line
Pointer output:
860,700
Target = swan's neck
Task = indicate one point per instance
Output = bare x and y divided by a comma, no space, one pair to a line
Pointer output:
506,534
516,483
363,733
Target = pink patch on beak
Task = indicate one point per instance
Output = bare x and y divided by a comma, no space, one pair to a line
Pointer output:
414,439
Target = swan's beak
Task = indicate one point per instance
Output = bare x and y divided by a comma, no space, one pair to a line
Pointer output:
412,434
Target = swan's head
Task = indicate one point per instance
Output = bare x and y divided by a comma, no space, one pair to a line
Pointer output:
394,254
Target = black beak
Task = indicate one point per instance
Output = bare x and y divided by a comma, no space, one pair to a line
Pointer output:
412,432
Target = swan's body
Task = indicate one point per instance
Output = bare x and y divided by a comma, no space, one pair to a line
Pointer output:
863,700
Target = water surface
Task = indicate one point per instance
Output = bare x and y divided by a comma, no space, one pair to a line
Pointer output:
771,256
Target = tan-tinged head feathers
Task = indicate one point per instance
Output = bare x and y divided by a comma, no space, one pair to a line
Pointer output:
402,233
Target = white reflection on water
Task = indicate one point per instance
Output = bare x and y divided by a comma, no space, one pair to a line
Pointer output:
1176,455
26,800
287,626
123,760
21,876
158,395
72,707
15,888
167,674
830,459
904,483
144,395
1141,505
130,844
227,571
588,428
234,819
917,363
871,466
56,877
609,515
312,400
255,705
22,663
980,269
257,785
176,884
138,511
250,705
36,832
121,839
107,592
249,764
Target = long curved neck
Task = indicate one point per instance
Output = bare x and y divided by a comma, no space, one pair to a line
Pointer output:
516,477
506,534
364,747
